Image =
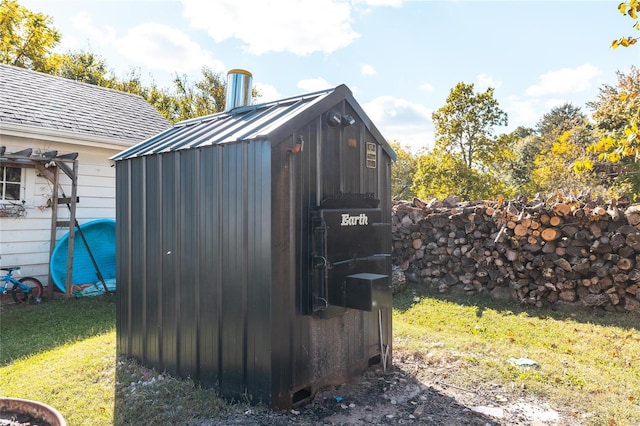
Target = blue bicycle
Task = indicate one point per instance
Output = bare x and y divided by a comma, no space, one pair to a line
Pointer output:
22,290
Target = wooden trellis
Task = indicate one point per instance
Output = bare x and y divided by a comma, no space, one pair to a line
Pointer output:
49,164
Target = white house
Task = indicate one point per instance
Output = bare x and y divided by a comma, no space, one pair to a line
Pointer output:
54,116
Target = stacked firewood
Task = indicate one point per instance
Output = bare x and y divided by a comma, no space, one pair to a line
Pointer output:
535,252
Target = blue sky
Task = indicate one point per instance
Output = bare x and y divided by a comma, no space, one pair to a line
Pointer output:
400,58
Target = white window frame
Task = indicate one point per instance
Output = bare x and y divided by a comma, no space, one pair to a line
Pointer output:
21,184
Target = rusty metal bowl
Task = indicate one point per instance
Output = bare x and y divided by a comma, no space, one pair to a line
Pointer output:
36,410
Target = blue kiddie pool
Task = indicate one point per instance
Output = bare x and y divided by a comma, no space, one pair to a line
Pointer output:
99,241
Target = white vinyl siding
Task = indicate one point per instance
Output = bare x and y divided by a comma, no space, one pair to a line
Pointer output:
24,241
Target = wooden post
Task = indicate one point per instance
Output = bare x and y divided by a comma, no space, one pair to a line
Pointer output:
72,228
54,226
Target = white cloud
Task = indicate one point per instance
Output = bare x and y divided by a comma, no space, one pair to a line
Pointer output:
406,122
367,69
521,113
377,3
365,6
162,47
426,87
484,81
292,26
528,112
104,36
314,84
551,103
83,22
268,93
565,80
153,45
399,109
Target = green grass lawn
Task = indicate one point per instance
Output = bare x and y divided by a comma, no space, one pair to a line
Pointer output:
63,353
588,360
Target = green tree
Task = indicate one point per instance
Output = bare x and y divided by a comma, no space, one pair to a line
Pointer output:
615,153
559,120
464,125
465,145
525,146
205,96
617,104
189,100
27,39
553,166
563,136
439,174
83,66
402,172
631,9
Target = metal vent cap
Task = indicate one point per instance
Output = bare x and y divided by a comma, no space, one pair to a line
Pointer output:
238,89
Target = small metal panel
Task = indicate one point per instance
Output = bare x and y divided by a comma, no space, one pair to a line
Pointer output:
365,291
357,292
372,155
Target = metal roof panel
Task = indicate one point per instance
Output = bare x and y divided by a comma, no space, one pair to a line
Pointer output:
246,123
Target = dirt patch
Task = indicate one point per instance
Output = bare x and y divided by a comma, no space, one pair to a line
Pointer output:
407,395
14,418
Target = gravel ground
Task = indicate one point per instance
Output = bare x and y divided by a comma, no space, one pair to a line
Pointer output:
407,394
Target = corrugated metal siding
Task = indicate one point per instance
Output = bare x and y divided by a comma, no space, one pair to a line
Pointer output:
194,264
123,258
151,256
283,318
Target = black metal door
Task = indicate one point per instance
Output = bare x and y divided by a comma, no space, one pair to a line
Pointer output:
350,260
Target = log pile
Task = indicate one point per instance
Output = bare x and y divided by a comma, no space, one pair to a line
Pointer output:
537,253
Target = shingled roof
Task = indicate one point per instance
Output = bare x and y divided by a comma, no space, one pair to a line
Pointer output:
33,99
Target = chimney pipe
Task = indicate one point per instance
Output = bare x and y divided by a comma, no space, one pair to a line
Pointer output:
238,89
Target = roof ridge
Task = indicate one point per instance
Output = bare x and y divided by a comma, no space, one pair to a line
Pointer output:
245,108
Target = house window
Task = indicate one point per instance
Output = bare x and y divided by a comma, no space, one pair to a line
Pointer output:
10,180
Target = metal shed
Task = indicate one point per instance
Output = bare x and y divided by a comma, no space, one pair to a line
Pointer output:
253,246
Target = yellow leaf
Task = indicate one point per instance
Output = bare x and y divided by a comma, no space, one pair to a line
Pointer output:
632,13
622,8
577,166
